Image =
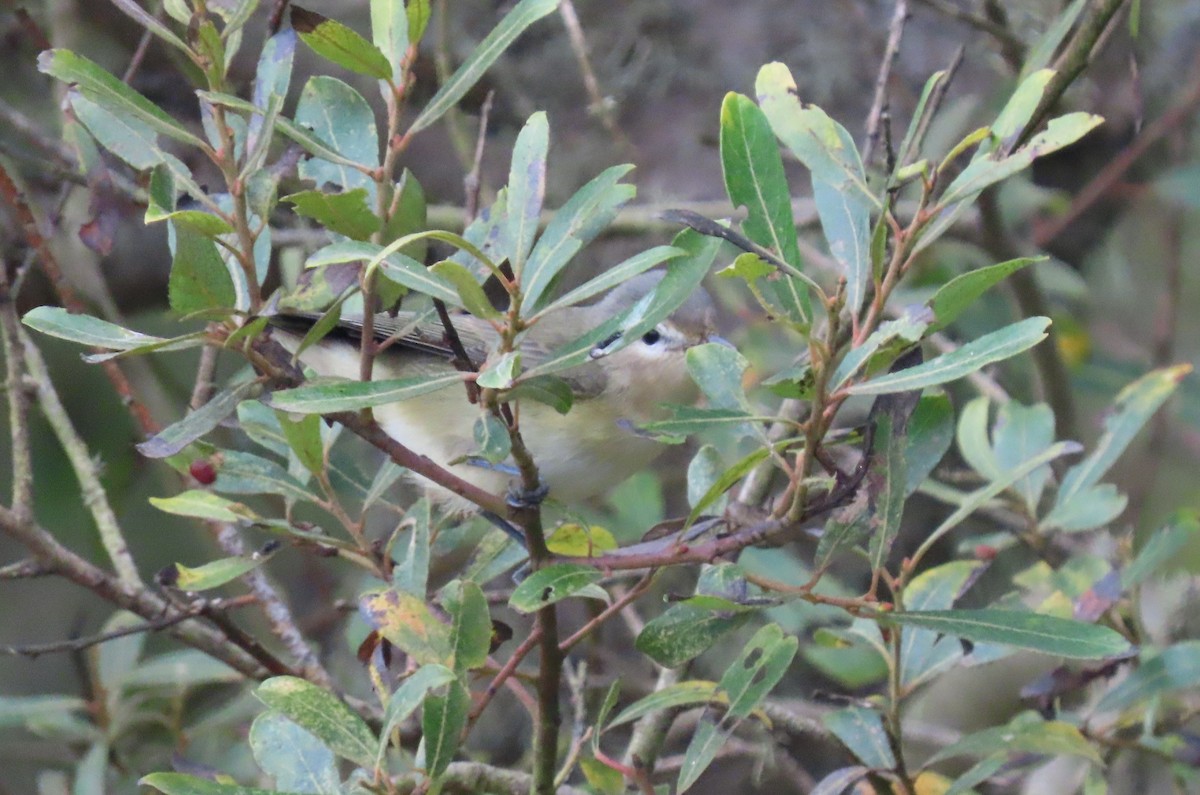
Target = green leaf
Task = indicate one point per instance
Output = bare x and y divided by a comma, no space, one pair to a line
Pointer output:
726,480
345,213
524,14
688,420
717,369
901,332
491,437
1041,54
762,663
408,697
183,784
1174,668
930,432
406,621
442,723
754,178
996,346
304,440
470,627
179,670
322,714
272,77
396,266
922,652
150,23
389,31
333,396
502,372
846,221
111,94
338,116
418,12
578,540
199,278
216,573
956,295
245,473
204,505
87,330
1020,433
618,274
973,442
174,438
681,694
526,189
1027,733
1161,548
707,739
1094,507
1047,634
1133,407
887,480
910,145
861,731
161,207
985,171
293,757
684,632
548,389
584,216
411,574
470,292
554,583
336,42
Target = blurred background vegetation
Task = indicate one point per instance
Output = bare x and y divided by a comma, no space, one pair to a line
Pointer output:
1116,212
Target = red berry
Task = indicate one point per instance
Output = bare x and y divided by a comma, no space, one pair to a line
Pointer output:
203,471
985,552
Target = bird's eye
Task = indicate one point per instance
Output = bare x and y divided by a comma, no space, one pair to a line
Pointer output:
651,337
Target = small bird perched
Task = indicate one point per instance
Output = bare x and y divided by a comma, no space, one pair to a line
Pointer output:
579,454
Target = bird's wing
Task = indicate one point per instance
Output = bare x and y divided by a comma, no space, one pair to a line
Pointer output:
423,332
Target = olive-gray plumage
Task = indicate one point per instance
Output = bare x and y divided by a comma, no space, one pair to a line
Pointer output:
580,454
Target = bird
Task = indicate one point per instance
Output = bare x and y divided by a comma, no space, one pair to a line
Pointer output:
580,454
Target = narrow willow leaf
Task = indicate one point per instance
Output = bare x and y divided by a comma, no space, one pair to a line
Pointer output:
470,624
204,505
573,226
442,724
86,330
754,178
526,189
554,583
618,274
491,437
956,295
1028,732
215,573
930,432
411,574
324,715
974,444
304,441
681,694
1020,433
408,697
707,739
293,757
406,621
524,14
401,268
1133,407
910,145
762,663
1047,634
922,652
183,784
389,32
470,292
975,355
345,213
110,93
272,78
174,438
861,731
329,397
837,782
340,44
726,481
245,473
150,23
341,119
717,369
683,632
199,278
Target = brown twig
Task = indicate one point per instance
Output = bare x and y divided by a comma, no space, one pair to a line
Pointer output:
34,650
1007,39
62,561
18,400
503,675
879,103
617,606
600,105
471,182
